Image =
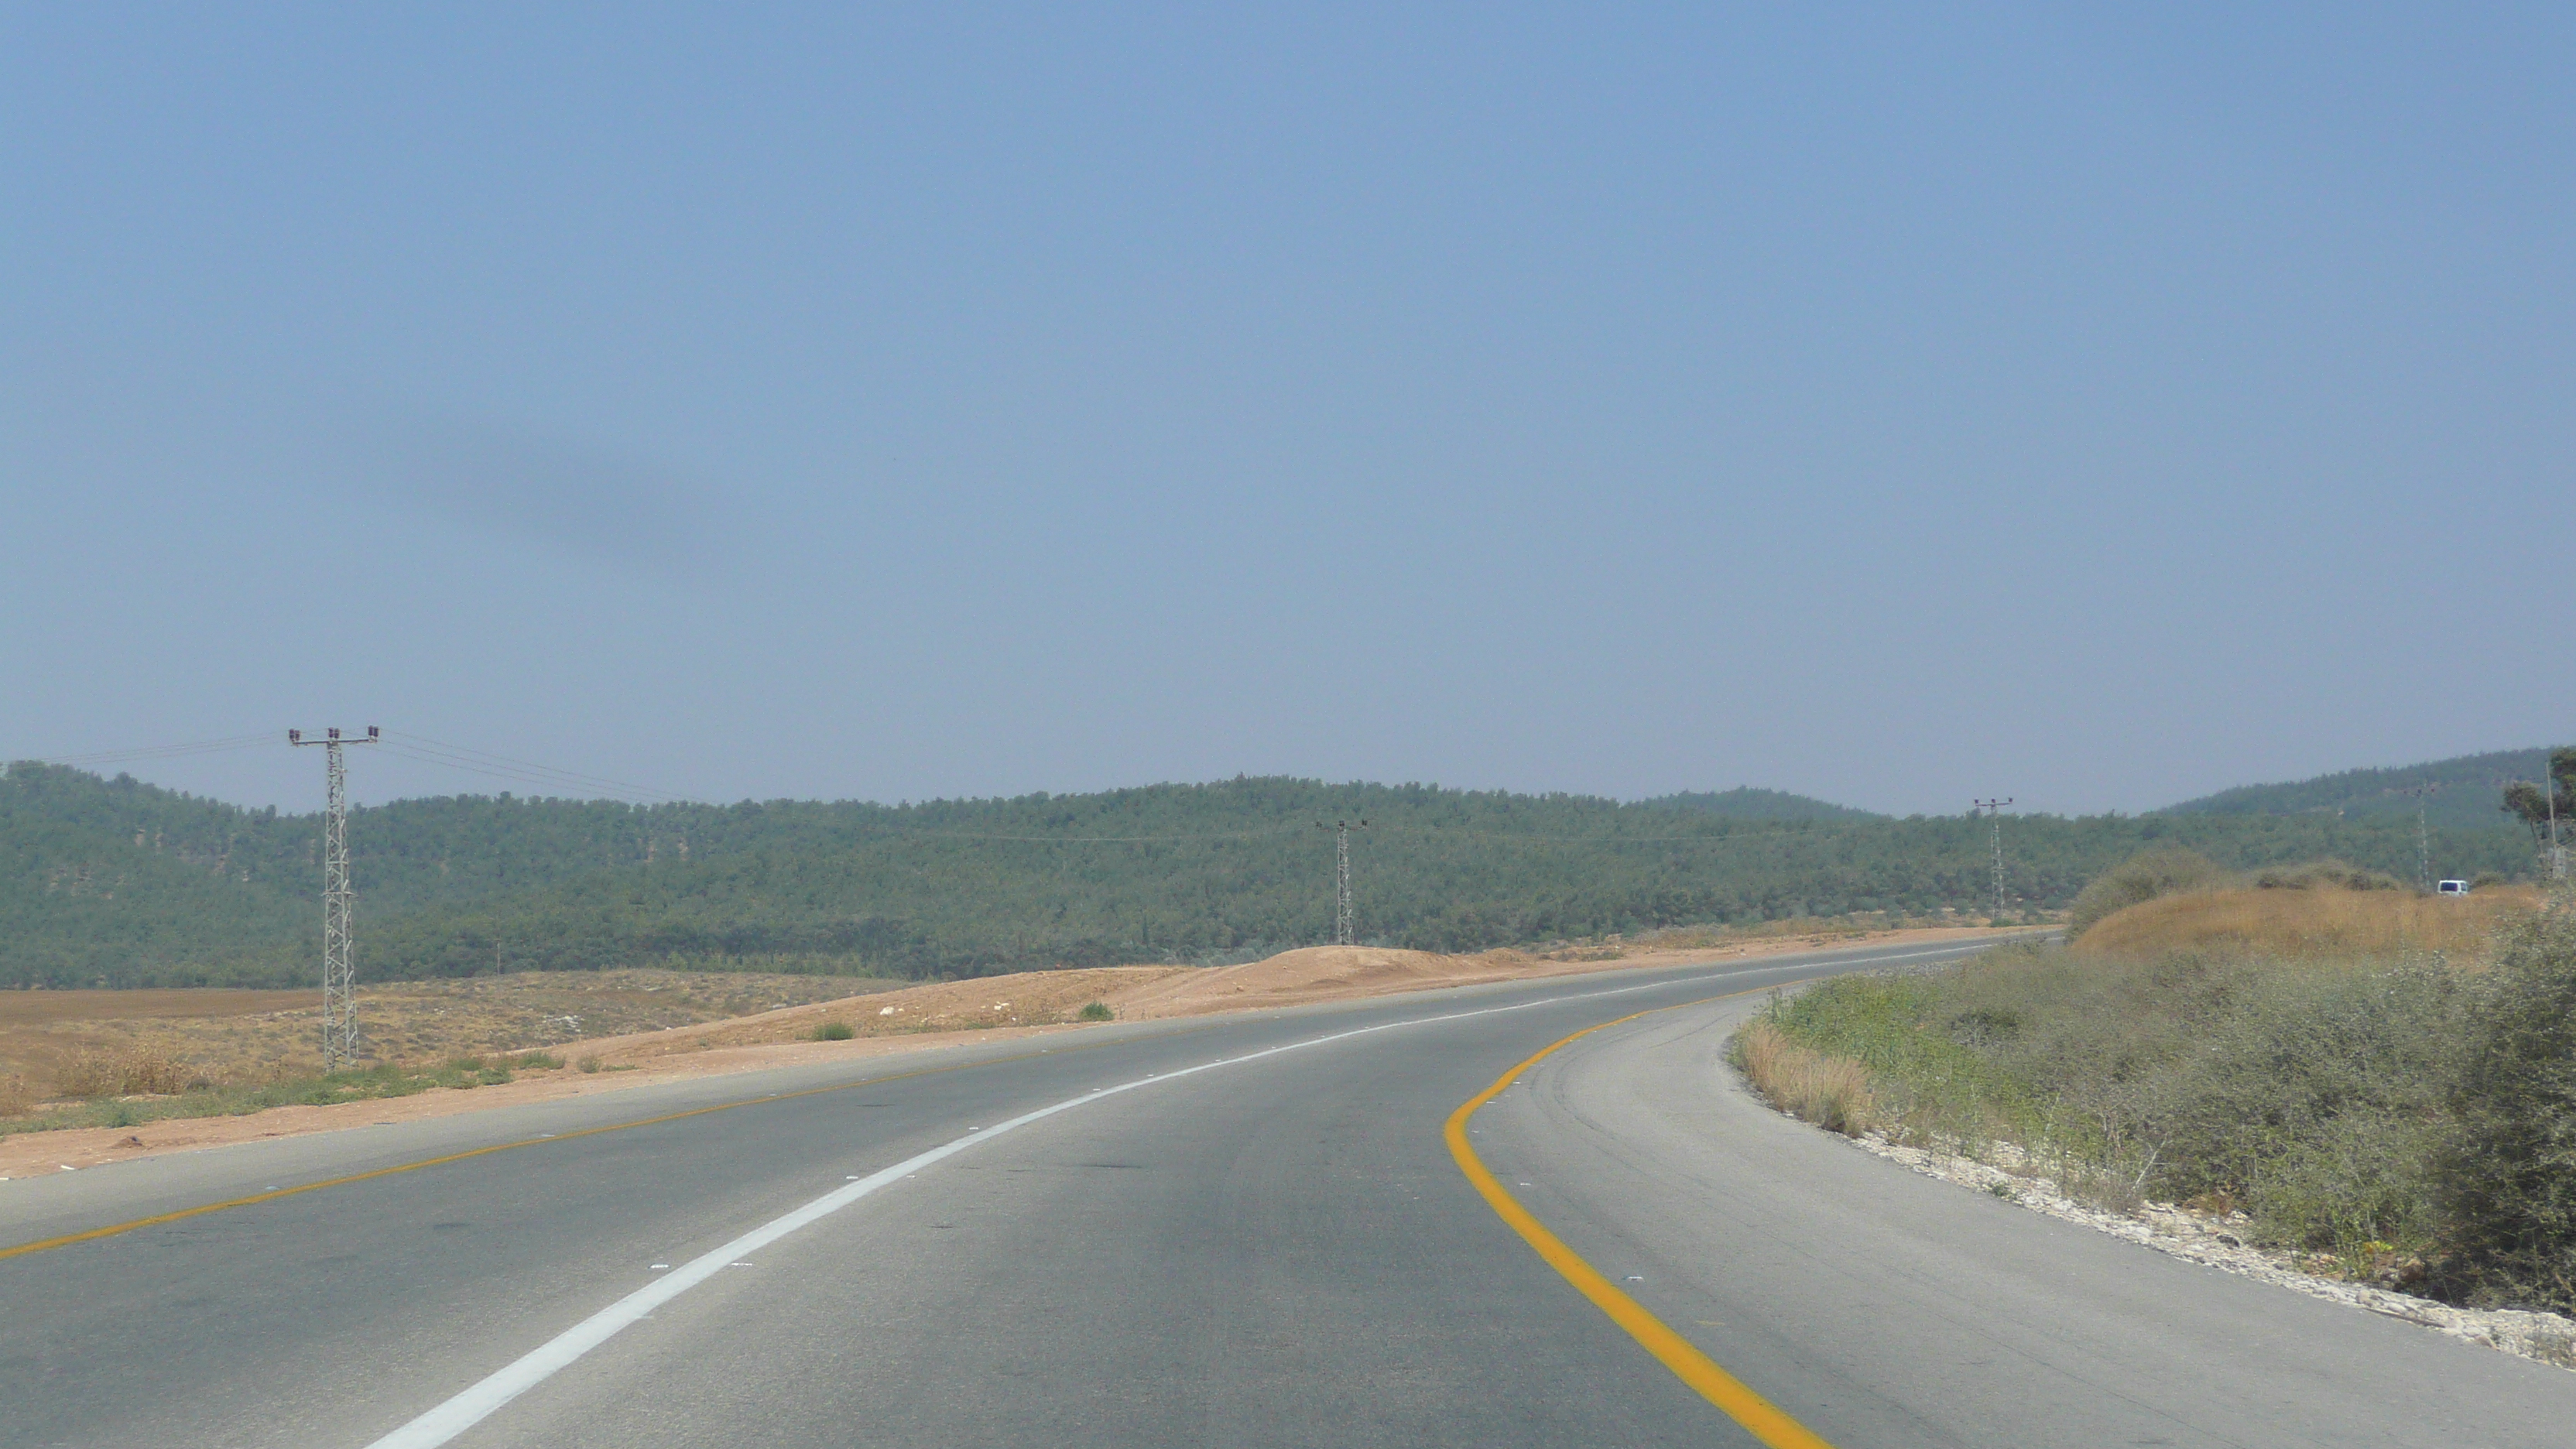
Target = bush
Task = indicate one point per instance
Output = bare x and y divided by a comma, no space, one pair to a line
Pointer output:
590,1064
464,1072
834,1031
2509,1181
1097,1011
2143,877
537,1062
2312,1095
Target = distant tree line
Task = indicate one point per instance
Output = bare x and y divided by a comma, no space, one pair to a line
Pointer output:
112,880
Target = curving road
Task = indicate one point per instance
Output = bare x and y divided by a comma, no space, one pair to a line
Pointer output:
1243,1231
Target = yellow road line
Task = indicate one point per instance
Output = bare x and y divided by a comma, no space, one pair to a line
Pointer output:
1760,1417
114,1229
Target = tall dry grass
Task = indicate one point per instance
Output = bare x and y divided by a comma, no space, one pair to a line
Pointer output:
1832,1092
2308,924
155,1070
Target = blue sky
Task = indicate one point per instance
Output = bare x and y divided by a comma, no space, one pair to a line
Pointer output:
1891,405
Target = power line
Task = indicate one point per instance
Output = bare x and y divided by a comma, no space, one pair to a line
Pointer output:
162,752
467,757
550,783
417,748
339,974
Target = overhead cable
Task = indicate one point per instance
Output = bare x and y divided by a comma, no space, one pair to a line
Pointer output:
165,752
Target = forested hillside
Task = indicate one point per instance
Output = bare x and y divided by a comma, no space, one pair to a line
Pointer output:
2467,791
1749,802
119,882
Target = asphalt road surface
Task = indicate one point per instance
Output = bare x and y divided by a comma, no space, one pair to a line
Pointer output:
1245,1230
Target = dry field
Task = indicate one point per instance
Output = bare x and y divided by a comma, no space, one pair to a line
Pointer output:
55,1043
2309,923
239,1036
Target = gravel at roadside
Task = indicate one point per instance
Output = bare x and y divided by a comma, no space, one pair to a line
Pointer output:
2215,1241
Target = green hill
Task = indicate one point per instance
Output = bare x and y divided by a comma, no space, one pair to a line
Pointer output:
119,882
2467,795
1747,802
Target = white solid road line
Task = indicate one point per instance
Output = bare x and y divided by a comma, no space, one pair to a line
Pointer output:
479,1402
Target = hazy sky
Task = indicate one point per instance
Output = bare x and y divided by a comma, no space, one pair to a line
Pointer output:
1890,404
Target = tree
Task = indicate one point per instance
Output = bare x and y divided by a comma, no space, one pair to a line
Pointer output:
2533,803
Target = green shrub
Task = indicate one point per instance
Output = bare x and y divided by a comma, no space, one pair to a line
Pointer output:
1097,1011
2142,877
2314,1096
834,1031
2509,1181
590,1064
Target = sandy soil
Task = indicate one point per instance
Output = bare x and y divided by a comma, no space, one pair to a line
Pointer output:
913,1019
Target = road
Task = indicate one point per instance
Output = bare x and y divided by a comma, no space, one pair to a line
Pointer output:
1245,1230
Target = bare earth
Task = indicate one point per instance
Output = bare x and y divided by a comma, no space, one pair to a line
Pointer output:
910,1019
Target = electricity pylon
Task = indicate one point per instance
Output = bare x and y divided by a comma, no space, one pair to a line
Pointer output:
339,977
2557,852
2423,837
1994,810
1345,922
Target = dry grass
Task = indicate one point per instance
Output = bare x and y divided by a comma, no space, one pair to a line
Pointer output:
1832,1092
2309,924
153,1070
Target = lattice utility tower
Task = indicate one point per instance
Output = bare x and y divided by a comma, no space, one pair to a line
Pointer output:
2557,852
2423,837
1994,810
339,977
1345,921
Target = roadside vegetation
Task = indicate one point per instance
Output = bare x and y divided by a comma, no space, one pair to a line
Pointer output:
133,1088
2383,1089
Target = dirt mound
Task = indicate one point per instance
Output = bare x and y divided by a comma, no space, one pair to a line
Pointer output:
1028,998
1318,973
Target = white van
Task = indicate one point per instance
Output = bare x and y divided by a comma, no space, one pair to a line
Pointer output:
2452,887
